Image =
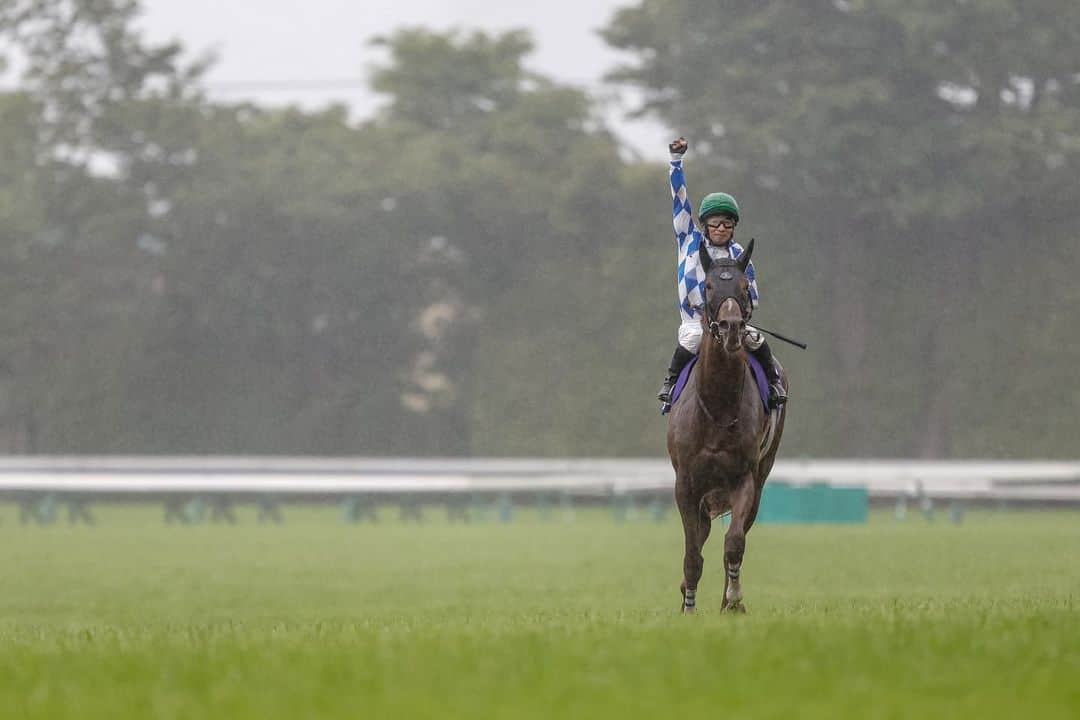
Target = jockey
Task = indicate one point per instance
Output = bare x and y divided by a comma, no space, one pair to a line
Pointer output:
719,215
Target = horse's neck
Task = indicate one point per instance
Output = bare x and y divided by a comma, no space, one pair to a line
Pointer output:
720,379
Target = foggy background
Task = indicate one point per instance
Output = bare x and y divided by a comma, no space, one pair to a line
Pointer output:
469,255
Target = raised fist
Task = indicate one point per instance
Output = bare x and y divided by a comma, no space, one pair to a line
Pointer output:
678,147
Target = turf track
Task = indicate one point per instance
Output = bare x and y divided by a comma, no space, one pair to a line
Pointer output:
133,619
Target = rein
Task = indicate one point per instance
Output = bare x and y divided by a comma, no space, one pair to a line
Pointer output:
717,334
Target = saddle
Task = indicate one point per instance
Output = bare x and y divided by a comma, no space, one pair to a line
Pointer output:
760,381
759,376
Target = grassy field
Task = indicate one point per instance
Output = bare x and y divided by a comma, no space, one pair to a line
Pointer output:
135,619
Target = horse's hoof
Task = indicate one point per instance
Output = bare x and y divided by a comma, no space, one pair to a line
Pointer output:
736,608
688,610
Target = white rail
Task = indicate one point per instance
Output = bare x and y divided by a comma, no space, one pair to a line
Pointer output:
85,475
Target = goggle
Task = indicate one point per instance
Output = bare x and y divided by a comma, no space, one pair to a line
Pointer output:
717,223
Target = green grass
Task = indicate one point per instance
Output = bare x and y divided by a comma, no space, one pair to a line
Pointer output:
135,619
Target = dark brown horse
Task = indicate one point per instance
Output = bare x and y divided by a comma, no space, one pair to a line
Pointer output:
718,432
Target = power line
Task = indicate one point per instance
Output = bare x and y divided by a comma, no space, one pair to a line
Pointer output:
287,85
232,86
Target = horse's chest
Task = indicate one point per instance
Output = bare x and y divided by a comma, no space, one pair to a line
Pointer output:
718,468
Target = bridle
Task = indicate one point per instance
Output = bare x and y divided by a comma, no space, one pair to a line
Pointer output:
719,334
745,308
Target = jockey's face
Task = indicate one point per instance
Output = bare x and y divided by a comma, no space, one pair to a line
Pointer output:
720,228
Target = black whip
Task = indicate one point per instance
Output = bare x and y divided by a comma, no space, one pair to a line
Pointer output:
778,336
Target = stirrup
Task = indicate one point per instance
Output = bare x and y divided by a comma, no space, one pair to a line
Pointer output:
777,396
666,389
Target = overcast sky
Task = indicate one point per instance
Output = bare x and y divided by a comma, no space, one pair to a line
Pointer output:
312,52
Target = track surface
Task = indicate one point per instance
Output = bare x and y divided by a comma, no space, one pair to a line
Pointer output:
134,619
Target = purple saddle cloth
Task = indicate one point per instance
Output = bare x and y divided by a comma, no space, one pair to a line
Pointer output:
755,365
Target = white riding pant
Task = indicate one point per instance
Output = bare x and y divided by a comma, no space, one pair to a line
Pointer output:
690,335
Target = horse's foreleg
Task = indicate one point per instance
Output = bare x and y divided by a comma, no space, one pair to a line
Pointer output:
743,508
696,527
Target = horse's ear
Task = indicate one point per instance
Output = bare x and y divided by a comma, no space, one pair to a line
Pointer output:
704,258
744,259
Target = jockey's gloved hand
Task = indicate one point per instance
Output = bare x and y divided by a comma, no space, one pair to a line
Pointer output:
677,148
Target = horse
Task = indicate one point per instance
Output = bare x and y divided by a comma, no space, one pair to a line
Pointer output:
718,436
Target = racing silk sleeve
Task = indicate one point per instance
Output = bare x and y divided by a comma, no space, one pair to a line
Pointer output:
736,251
688,241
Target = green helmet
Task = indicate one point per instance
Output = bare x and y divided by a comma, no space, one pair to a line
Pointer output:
718,202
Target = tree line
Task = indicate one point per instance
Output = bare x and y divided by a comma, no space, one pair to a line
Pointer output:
481,269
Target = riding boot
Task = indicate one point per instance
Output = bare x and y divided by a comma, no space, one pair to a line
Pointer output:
678,362
777,394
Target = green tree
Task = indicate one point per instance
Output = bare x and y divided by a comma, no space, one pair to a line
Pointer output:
93,101
527,196
894,157
280,281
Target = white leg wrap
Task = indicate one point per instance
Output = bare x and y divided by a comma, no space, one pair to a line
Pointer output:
689,598
734,589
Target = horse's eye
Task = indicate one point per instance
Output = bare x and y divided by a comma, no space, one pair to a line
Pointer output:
708,286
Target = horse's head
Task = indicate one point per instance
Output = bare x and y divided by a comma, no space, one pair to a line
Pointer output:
727,298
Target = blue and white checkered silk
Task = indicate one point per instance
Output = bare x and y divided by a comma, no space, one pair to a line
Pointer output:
689,241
